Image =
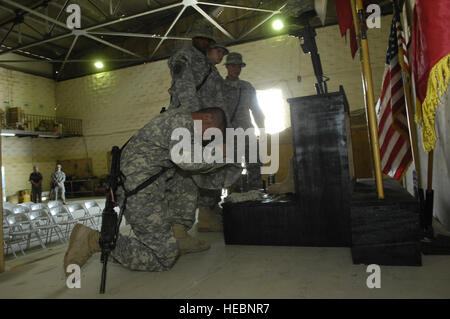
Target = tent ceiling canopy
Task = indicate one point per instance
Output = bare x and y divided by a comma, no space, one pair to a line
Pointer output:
124,33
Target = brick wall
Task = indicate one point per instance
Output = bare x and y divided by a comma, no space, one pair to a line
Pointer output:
20,154
35,95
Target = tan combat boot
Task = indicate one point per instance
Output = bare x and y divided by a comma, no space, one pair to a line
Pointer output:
82,244
286,186
186,243
209,220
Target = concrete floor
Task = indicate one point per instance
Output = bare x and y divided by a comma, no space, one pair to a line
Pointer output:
229,272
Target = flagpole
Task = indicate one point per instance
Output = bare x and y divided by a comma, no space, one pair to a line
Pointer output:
357,31
358,14
412,130
356,24
428,211
426,208
415,150
430,171
409,112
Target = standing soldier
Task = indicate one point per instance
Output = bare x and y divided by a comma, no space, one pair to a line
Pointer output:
58,179
36,185
209,211
241,99
196,83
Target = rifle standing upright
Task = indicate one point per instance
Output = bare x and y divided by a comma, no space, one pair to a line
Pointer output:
110,218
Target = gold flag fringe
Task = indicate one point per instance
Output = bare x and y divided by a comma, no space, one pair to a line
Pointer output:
438,82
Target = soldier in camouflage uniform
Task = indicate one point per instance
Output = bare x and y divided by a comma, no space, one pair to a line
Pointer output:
161,213
209,215
58,179
196,83
241,98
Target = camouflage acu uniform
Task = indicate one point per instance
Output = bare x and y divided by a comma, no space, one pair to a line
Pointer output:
171,199
212,94
190,68
59,177
241,97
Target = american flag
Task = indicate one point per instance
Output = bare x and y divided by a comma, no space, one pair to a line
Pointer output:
395,148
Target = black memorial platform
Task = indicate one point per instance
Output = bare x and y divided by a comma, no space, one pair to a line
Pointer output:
323,166
266,222
330,208
387,231
319,213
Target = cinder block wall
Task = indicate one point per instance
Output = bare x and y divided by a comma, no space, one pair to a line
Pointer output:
20,154
35,95
112,105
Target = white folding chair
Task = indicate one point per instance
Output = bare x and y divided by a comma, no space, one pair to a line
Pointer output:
20,210
21,228
62,217
38,206
95,211
43,222
7,240
8,205
80,213
54,203
27,204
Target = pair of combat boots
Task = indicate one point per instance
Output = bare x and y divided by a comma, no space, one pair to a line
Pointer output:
84,241
209,220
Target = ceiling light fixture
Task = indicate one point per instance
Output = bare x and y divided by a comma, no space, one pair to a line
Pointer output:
99,64
278,24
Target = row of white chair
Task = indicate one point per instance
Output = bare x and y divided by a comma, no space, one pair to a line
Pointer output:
30,221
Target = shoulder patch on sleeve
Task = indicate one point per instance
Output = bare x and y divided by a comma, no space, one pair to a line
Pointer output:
179,65
178,69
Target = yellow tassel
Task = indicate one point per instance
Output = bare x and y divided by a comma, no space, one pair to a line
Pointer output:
418,116
438,82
